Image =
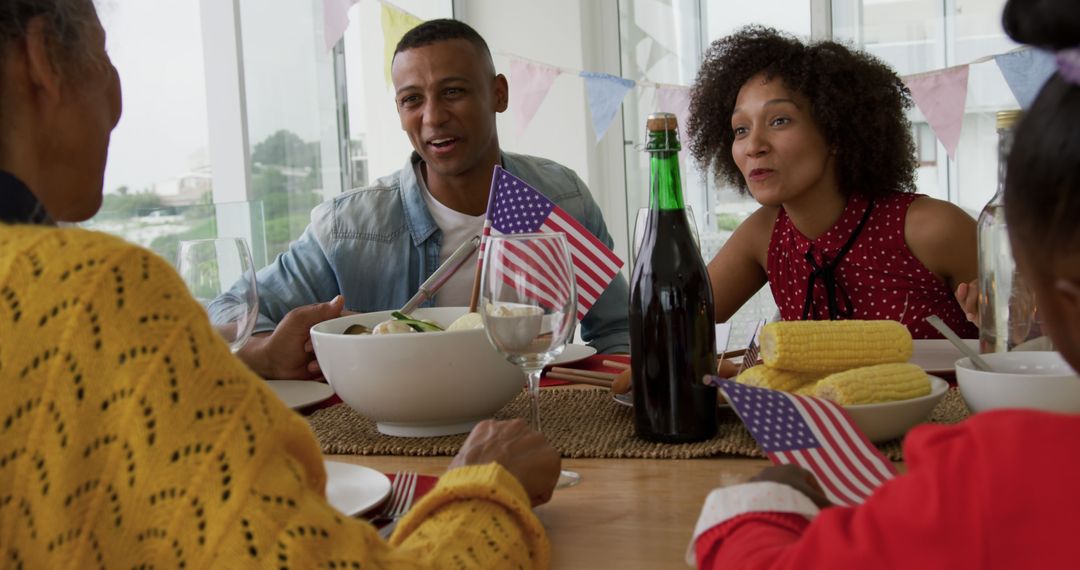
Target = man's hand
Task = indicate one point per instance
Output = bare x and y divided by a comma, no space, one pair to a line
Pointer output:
797,478
287,351
525,453
967,294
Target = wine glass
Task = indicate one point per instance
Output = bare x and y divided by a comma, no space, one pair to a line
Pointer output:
643,218
529,307
220,275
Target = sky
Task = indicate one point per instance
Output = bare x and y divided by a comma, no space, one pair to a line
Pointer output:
157,47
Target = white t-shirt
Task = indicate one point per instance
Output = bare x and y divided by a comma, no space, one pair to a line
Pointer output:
457,228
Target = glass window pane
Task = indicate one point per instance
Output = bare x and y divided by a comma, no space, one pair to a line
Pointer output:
158,179
377,145
915,36
292,115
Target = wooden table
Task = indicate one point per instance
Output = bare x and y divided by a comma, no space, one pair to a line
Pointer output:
626,513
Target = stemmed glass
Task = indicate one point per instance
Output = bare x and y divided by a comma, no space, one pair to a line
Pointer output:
529,307
220,275
642,220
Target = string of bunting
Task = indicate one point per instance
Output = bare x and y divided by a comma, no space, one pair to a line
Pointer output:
939,94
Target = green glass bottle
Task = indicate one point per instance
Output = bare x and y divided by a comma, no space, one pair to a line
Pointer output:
672,332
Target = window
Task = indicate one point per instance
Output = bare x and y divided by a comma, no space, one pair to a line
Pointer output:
158,181
664,43
924,35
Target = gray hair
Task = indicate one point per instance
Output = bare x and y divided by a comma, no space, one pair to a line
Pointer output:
68,22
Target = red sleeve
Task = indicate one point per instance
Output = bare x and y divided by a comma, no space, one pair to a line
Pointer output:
757,532
918,517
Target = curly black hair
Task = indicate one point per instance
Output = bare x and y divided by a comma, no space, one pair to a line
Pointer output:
856,100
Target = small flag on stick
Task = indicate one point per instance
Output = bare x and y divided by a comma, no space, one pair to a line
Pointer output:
514,207
814,434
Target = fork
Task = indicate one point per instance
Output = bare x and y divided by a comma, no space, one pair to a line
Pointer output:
400,500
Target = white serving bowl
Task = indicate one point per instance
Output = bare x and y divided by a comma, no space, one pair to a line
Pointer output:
416,384
889,420
1034,380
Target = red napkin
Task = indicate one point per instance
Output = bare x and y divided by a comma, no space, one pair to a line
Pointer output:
424,484
594,363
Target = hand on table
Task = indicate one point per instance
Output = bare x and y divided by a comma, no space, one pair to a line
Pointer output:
287,352
967,294
522,451
727,369
797,478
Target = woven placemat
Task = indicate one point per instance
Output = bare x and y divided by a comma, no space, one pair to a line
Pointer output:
579,423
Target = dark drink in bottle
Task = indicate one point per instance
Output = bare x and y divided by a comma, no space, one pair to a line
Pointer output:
672,333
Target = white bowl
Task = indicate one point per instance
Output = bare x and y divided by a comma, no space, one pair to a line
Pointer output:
1034,380
416,384
889,420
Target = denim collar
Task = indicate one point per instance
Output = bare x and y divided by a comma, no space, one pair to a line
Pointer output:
417,217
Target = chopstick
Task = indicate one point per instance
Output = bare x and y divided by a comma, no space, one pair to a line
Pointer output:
616,364
624,366
578,378
586,373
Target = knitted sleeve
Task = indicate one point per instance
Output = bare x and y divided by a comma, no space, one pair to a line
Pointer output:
131,437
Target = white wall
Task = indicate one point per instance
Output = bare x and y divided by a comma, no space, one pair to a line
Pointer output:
577,36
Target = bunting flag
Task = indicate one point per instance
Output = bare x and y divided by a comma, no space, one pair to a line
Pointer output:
530,83
1026,71
940,96
606,93
395,22
814,434
335,20
672,99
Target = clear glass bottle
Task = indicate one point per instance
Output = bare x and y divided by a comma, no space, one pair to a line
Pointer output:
1007,312
672,335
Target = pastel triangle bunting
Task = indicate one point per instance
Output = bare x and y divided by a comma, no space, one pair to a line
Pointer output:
529,85
605,94
940,96
335,20
1025,71
395,23
670,99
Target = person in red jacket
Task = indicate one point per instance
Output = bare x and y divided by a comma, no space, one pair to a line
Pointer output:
998,490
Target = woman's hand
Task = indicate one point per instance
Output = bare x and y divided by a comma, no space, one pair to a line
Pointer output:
525,453
797,478
967,294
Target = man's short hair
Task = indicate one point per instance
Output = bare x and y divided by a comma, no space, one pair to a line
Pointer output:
443,29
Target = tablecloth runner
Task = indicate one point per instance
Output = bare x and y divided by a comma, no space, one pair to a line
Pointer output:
579,423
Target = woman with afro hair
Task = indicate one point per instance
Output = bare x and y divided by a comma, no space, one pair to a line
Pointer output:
998,490
816,133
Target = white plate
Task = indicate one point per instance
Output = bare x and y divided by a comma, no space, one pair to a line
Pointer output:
299,393
890,420
573,353
354,489
937,355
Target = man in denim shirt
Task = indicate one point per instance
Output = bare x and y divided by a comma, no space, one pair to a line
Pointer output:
369,249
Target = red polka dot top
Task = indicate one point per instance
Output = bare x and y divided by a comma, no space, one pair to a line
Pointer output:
873,276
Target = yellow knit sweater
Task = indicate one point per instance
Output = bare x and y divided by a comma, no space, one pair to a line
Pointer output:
130,437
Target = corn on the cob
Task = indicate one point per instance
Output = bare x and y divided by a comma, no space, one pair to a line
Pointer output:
832,346
870,384
808,389
763,376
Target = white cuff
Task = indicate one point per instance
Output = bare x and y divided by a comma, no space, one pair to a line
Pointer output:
764,496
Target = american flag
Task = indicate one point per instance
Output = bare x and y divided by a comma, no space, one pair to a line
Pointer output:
815,434
514,207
